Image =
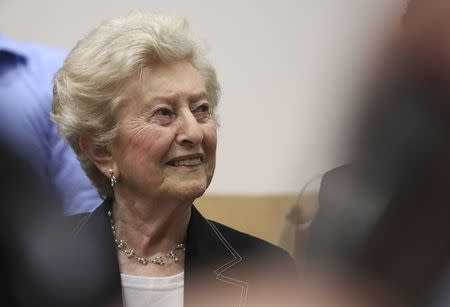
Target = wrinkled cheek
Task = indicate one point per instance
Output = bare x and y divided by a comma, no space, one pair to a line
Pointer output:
152,146
210,136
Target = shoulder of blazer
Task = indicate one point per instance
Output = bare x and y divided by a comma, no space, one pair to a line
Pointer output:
249,246
77,222
269,271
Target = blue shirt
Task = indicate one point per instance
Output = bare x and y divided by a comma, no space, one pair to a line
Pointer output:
26,84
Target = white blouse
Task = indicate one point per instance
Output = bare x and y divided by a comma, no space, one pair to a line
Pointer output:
140,291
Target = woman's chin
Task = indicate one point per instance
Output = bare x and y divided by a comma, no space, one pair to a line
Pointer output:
188,192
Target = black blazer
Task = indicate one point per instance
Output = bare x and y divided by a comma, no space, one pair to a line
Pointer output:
223,267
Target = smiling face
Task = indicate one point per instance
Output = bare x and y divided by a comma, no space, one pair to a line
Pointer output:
165,147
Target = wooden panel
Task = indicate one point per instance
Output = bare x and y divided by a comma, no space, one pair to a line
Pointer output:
263,216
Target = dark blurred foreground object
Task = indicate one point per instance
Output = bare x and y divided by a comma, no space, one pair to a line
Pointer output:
40,262
386,216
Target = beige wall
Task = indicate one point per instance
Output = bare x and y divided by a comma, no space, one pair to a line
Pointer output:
288,69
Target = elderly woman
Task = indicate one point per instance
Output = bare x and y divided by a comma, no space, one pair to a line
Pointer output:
136,99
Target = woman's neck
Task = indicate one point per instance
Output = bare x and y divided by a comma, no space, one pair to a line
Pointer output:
150,228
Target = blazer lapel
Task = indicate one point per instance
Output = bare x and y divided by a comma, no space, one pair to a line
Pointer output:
209,256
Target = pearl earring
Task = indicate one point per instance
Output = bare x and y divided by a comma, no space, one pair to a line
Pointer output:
112,177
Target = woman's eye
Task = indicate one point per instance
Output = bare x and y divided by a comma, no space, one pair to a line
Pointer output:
162,116
163,112
203,108
202,112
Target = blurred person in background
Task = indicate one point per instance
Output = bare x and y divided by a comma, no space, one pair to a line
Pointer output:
42,179
136,99
26,81
384,218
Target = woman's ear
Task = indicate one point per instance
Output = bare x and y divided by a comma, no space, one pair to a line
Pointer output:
100,156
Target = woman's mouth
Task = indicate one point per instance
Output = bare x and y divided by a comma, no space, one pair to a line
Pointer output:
186,162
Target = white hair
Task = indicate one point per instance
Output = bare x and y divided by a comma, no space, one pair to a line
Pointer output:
91,84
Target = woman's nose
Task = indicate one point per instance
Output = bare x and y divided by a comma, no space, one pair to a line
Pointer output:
189,132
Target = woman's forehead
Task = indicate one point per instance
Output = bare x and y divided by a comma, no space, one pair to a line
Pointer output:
169,82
